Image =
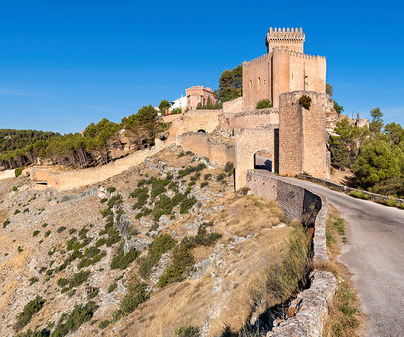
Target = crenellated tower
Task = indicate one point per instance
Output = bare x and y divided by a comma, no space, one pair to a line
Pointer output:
285,68
292,38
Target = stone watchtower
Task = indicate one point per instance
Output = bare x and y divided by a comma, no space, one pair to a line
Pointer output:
290,38
285,68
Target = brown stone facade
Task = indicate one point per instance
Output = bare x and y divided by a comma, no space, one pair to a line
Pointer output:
284,68
302,135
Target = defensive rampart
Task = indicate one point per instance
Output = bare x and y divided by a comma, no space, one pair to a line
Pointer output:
219,153
196,120
67,180
7,174
234,106
311,305
250,119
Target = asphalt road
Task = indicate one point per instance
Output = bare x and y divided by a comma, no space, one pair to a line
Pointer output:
374,255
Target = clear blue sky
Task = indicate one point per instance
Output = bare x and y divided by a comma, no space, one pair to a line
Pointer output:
65,64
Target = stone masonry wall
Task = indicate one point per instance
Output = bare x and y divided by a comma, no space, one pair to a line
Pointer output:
219,153
249,119
7,174
195,120
311,305
302,135
247,142
68,180
233,106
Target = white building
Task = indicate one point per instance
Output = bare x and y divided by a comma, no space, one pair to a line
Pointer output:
179,103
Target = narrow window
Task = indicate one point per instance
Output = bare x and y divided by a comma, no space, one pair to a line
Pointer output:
250,84
259,81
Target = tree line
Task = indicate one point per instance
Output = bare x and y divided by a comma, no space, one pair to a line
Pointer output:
375,154
92,147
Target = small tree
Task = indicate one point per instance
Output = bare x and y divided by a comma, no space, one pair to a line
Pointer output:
305,101
377,121
264,103
164,105
329,90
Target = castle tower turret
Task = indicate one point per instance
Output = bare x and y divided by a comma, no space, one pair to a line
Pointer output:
293,38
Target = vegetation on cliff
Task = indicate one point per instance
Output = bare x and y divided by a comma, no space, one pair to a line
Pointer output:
374,154
230,84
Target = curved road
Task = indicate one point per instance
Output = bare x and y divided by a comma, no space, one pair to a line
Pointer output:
374,256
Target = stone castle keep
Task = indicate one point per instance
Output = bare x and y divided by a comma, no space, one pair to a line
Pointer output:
285,68
288,138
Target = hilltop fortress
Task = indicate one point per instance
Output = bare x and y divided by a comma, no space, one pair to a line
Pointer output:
288,138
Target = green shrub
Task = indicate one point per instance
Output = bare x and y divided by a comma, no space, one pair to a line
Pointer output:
264,103
360,195
137,294
15,189
191,169
391,202
305,101
5,223
220,177
182,261
18,171
20,250
31,308
187,204
207,176
47,233
32,280
229,168
111,189
112,287
121,260
71,322
142,195
61,229
161,244
35,233
158,186
44,225
187,331
104,324
204,184
78,278
62,282
72,231
103,200
16,211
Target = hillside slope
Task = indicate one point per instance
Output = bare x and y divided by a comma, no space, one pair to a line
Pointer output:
165,245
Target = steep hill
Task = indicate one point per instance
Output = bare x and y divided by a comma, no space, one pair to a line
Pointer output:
160,247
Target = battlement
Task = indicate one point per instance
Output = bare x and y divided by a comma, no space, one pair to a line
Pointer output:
304,56
293,38
262,58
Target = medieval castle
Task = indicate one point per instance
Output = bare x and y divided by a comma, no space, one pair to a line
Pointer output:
289,138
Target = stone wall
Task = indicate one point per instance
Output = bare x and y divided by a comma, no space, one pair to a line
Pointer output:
302,135
311,305
68,180
233,106
195,120
250,119
219,153
7,174
247,143
281,71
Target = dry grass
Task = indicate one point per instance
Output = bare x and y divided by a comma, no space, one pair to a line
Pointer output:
345,318
222,294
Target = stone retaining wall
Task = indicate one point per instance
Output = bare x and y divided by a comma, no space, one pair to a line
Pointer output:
311,305
219,153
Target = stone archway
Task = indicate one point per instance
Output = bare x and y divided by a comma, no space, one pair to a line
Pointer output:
247,143
263,160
